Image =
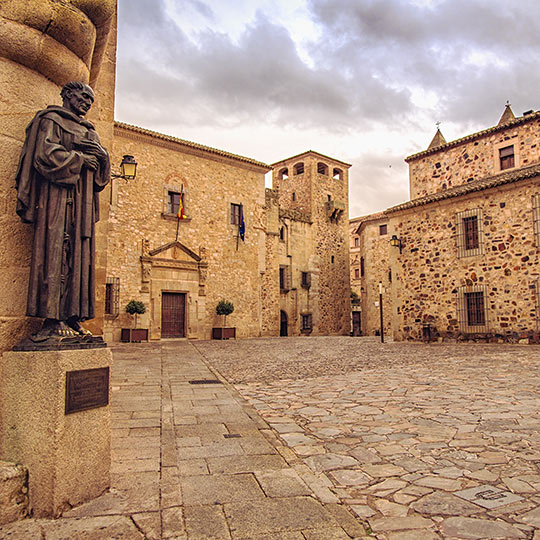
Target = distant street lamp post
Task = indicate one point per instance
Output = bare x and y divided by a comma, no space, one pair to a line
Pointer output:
381,310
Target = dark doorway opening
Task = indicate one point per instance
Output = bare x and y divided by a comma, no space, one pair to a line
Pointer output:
173,315
356,323
283,326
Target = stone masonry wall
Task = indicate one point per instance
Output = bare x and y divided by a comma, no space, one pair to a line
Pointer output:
476,157
211,183
429,273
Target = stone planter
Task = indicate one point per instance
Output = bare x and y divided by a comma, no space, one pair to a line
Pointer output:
223,333
130,335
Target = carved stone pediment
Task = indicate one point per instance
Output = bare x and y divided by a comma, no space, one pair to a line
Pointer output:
175,256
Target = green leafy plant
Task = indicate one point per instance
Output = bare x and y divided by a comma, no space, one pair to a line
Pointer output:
224,308
355,299
135,307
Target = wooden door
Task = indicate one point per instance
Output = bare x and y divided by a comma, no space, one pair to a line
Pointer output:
357,323
284,326
173,315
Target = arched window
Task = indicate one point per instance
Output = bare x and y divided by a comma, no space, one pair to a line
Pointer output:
338,174
299,168
283,174
322,168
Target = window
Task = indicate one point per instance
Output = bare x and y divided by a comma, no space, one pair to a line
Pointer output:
506,157
383,229
362,265
306,280
322,168
472,309
307,322
537,302
235,213
293,196
469,233
172,196
356,241
284,278
338,174
283,174
112,294
356,273
536,218
332,259
299,168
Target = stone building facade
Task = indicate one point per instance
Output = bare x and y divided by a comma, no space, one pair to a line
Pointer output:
468,265
310,240
139,254
370,268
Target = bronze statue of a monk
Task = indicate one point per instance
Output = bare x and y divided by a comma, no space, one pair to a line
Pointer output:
62,169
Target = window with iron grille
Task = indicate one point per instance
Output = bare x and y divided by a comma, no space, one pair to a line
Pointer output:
112,294
507,157
299,168
284,278
472,309
322,168
235,213
536,218
306,280
469,233
307,322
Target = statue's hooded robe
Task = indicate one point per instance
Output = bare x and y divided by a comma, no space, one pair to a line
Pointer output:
58,194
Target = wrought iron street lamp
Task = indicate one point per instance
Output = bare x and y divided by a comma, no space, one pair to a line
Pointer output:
396,242
128,168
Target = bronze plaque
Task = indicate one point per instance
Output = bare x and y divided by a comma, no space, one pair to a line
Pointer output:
87,389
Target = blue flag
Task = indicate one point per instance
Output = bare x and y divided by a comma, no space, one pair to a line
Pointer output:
241,224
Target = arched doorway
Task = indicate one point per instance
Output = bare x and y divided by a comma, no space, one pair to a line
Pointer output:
283,327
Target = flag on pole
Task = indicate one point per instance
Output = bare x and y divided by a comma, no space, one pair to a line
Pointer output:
241,224
180,214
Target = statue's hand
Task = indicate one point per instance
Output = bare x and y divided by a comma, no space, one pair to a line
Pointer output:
91,161
94,149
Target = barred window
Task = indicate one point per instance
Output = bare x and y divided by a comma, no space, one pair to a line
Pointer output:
299,168
469,233
112,294
472,309
356,241
284,278
306,280
536,218
307,322
383,229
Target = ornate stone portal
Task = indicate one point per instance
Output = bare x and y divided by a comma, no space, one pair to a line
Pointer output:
174,269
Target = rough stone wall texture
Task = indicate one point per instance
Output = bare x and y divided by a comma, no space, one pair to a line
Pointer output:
375,249
315,243
475,157
210,183
13,492
43,44
428,275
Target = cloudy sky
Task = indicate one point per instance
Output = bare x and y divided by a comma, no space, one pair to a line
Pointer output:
364,81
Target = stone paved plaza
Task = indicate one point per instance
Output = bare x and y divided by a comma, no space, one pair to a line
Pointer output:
319,439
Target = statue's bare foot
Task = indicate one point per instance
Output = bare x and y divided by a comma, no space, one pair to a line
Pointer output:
76,326
53,328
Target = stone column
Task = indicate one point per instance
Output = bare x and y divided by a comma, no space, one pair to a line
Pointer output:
43,45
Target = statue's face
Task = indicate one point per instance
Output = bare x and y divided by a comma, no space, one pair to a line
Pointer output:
79,101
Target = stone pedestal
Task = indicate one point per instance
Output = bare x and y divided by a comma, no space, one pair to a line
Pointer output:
68,455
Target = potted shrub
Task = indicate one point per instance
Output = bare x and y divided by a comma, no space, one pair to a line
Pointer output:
135,307
224,308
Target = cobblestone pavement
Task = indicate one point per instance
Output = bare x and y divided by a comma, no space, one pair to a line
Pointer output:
419,441
193,462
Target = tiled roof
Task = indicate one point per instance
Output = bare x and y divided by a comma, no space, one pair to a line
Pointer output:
189,144
471,187
474,136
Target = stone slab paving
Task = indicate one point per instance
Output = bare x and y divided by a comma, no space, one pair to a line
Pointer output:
419,441
194,462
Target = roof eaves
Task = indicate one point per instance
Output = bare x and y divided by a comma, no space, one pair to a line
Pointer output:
190,144
464,189
473,136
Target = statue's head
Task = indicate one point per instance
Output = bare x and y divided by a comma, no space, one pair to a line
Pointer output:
77,97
